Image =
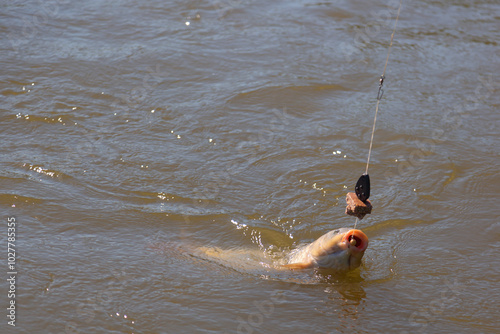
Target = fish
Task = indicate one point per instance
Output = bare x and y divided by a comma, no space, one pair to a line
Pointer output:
341,249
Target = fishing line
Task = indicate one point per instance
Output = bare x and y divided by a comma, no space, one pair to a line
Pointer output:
380,90
363,185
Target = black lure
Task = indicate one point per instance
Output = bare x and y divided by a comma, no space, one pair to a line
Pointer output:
363,187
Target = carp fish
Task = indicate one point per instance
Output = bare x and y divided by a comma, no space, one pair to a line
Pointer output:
341,249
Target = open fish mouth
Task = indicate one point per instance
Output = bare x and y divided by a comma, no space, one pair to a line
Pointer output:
356,240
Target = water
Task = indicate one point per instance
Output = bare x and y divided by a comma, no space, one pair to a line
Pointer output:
136,133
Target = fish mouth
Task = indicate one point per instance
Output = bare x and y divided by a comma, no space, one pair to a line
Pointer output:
356,240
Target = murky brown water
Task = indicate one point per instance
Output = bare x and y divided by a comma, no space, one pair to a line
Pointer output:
135,134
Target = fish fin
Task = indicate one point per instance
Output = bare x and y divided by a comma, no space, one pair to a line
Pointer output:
294,266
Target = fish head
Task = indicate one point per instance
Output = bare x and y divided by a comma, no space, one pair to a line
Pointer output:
340,249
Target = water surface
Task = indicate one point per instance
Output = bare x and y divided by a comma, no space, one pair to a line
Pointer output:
134,133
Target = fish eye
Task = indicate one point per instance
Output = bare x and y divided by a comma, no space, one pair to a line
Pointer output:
336,231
